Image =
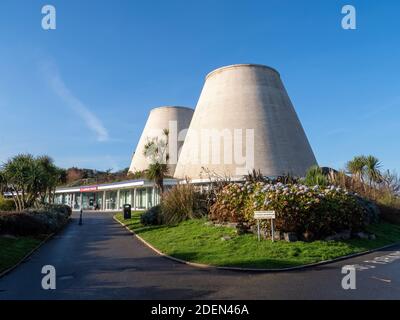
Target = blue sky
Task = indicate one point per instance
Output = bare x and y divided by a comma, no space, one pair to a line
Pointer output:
81,93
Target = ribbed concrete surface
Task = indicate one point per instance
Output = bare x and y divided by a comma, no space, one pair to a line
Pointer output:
247,97
158,120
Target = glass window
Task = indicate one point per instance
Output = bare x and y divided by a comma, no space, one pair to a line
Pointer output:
111,200
149,197
99,200
87,201
156,197
77,201
140,198
125,197
58,199
67,199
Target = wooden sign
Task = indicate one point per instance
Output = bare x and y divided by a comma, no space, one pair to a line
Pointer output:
265,215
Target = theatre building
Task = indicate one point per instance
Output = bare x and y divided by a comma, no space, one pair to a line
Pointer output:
140,194
254,127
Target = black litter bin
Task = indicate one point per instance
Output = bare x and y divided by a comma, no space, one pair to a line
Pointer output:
127,211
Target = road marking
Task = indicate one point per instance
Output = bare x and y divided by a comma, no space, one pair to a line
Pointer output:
380,279
382,260
66,277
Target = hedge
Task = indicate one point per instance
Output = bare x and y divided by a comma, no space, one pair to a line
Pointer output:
33,222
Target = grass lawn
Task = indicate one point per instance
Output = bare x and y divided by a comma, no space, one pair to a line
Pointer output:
195,241
13,250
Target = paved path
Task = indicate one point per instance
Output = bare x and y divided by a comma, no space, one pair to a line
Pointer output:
101,260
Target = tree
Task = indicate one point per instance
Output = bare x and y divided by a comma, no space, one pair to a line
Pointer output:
157,171
366,170
372,170
18,173
156,150
356,168
30,179
3,183
391,182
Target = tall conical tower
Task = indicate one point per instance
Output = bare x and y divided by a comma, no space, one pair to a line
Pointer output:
176,120
248,99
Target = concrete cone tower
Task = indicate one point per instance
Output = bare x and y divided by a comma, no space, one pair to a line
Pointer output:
251,99
176,120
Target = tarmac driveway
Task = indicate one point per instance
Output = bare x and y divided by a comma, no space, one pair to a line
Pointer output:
102,260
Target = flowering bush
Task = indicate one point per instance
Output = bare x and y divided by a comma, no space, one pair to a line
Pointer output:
230,203
315,211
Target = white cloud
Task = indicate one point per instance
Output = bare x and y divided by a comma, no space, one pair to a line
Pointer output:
81,110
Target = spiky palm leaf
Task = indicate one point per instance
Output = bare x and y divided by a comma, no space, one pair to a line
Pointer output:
372,169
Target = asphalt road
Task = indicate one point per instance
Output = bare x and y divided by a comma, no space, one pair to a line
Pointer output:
101,260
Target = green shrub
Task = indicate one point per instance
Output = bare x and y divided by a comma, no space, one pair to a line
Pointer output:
372,212
6,204
315,211
45,220
151,216
180,203
316,177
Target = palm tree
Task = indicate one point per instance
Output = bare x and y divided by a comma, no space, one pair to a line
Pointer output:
49,176
44,178
156,150
30,179
372,171
19,174
3,182
356,167
157,171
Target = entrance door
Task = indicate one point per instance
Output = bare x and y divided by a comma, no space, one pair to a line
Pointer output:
111,200
99,201
88,200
